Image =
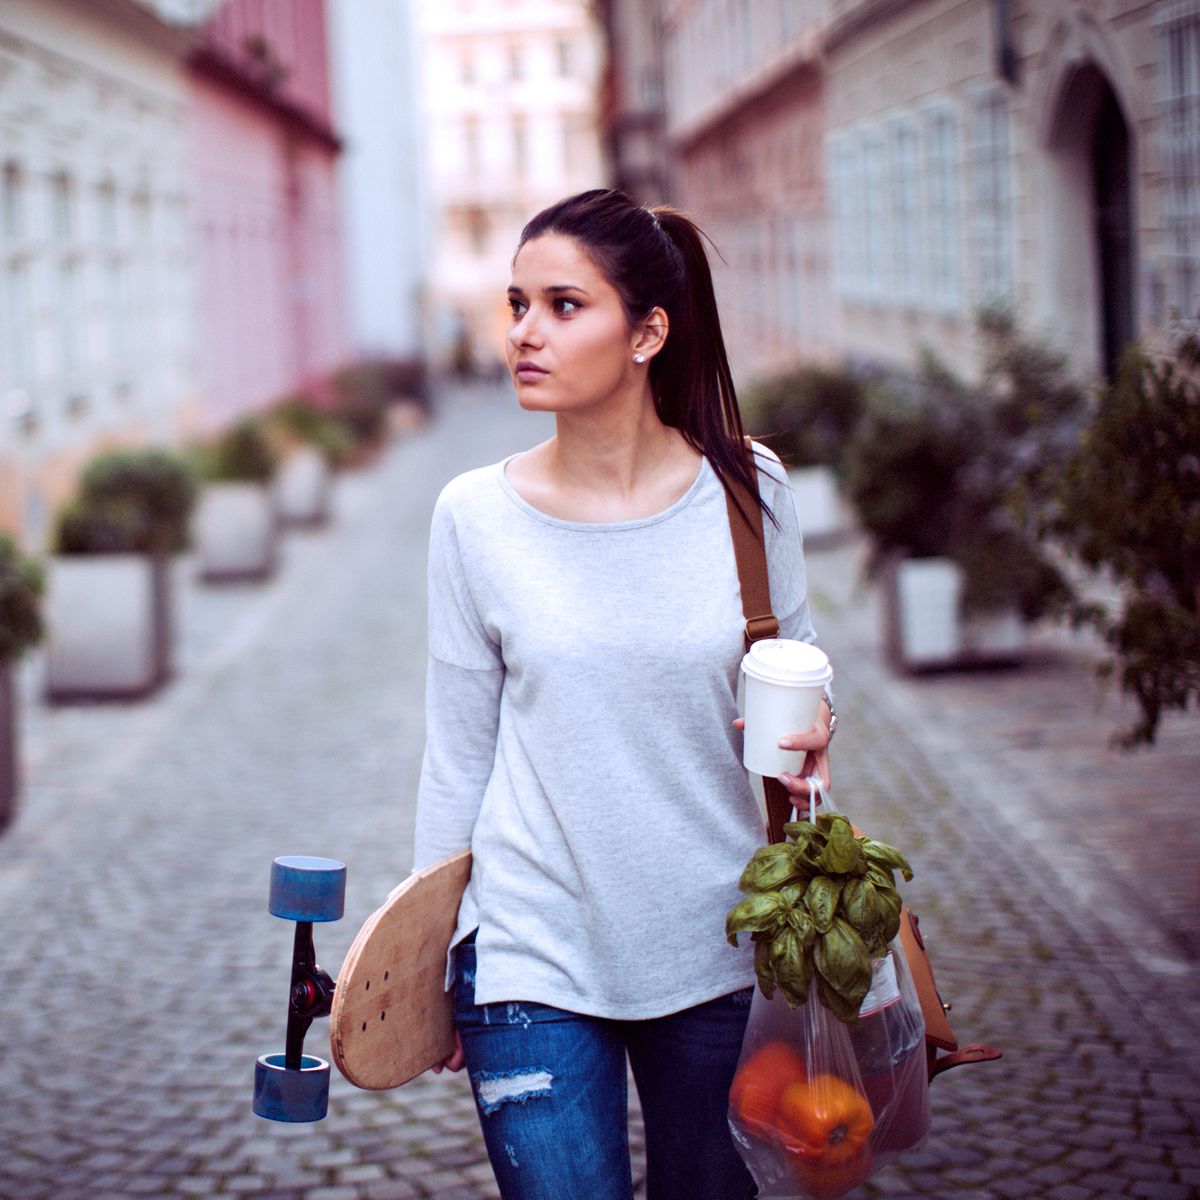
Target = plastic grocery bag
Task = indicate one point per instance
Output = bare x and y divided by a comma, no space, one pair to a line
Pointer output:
818,1105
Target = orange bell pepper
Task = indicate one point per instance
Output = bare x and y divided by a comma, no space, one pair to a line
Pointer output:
825,1120
828,1181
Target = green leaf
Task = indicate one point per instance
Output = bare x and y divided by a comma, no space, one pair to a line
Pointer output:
791,967
859,904
802,924
755,914
842,959
821,900
770,868
763,968
883,855
845,1010
842,855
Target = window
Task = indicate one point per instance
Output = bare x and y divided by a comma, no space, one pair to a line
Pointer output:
62,213
1180,42
12,209
106,212
849,215
520,143
565,54
873,182
940,199
17,369
904,217
471,144
991,198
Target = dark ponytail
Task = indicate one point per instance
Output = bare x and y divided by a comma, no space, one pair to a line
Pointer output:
656,258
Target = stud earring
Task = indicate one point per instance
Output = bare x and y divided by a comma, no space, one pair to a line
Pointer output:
639,358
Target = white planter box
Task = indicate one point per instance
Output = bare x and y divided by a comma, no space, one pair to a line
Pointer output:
302,488
995,637
235,531
10,775
925,626
923,597
817,502
107,634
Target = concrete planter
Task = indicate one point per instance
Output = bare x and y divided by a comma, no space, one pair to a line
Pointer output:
302,488
924,625
235,532
817,503
9,772
108,626
995,638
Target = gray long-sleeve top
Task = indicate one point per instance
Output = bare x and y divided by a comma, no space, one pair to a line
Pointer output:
580,698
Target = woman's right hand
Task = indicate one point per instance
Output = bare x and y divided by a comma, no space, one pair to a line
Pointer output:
455,1062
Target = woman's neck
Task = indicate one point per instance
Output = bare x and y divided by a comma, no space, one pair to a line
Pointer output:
610,465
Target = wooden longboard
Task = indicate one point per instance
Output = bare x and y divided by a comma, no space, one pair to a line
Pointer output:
392,1017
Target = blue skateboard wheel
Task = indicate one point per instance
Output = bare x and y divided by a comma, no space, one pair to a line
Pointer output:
307,889
295,1096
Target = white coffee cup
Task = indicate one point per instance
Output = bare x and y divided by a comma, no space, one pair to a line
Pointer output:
779,693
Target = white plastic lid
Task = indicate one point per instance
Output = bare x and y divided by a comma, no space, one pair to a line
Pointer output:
783,660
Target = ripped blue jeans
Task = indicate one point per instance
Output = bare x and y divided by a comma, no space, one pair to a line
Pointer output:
550,1087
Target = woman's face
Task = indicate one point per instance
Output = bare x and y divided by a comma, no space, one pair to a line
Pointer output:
570,345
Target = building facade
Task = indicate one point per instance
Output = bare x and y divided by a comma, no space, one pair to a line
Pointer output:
385,218
263,177
169,228
878,173
96,282
509,101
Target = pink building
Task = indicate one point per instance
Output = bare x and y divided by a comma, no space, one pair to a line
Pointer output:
263,158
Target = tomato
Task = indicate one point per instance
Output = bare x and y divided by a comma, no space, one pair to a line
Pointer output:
760,1083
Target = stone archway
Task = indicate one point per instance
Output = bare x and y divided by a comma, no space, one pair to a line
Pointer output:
1086,179
1092,157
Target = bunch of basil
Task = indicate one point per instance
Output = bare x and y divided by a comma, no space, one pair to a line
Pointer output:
820,906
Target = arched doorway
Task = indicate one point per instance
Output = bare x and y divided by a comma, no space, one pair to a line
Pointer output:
1093,251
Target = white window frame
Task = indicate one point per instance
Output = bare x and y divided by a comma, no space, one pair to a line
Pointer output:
1179,95
904,215
993,207
942,209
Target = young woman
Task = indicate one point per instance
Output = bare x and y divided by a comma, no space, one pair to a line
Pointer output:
585,631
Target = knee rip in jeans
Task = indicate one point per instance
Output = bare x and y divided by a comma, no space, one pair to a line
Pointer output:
496,1089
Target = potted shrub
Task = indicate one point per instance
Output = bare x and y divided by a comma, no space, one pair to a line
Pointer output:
108,610
21,584
314,443
235,527
807,415
929,471
1127,501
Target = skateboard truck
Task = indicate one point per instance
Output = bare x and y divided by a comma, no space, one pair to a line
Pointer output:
294,1086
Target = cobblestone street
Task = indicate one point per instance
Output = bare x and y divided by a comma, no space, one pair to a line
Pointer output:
145,974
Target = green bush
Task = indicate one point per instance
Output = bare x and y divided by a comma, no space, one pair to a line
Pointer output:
301,420
934,464
130,500
21,585
807,414
1128,500
363,393
243,453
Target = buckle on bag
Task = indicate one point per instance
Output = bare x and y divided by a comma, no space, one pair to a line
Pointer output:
758,628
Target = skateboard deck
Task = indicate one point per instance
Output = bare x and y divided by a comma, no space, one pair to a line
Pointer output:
392,1017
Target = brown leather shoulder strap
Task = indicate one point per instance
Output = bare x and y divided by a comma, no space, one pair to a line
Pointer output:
750,553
